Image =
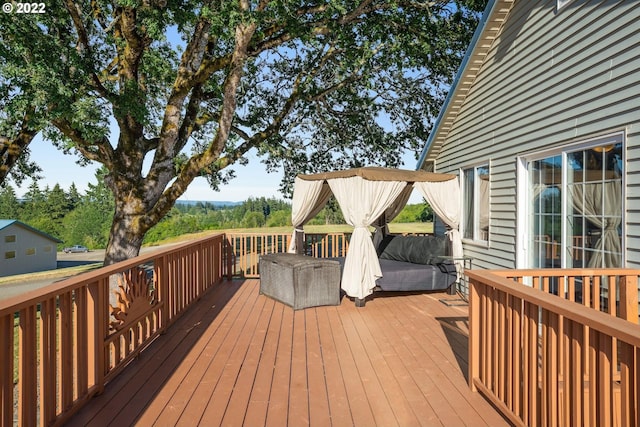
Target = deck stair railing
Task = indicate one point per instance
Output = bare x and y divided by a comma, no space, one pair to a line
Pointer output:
60,345
557,347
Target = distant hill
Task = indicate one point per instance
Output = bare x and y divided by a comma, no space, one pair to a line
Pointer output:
217,204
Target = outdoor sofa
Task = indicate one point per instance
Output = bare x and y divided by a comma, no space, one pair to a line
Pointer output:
414,263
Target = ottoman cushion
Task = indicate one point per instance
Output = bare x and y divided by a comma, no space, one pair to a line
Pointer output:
300,281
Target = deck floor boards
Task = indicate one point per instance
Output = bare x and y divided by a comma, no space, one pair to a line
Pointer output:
239,358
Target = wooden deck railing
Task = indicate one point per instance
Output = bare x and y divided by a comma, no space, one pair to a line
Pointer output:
247,247
554,353
545,361
61,344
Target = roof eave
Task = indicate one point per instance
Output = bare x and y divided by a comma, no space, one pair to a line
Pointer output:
495,13
7,223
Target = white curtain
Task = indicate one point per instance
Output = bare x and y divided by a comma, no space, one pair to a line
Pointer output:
483,220
446,201
309,197
601,204
362,202
390,213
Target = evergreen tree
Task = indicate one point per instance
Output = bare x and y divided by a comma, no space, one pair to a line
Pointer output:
73,196
9,205
53,209
34,195
90,221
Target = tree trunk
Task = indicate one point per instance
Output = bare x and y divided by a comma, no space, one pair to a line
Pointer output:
125,238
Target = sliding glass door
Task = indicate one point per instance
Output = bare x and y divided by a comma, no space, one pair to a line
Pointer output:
575,212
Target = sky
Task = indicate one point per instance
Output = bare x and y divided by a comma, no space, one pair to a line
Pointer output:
251,180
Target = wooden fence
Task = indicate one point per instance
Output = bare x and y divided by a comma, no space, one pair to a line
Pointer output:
72,337
545,362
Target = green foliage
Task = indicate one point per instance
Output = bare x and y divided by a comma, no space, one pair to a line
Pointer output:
253,219
86,225
69,216
86,219
330,214
421,212
279,219
9,208
193,87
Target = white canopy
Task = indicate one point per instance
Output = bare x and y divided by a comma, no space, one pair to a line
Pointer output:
366,195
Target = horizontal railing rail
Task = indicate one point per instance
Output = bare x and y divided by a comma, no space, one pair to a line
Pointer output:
246,248
594,288
544,360
60,345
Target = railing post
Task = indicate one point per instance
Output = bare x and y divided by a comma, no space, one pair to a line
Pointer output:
474,333
228,255
301,242
629,298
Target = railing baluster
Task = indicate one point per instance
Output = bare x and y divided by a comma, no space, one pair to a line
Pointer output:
65,367
80,338
6,369
48,363
27,360
514,403
553,367
593,374
577,379
628,393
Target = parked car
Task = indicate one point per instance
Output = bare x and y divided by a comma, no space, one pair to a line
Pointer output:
75,248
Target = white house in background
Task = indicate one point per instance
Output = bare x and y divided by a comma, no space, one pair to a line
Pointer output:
23,249
542,125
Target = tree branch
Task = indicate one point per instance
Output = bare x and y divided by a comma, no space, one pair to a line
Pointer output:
196,164
11,149
102,152
84,46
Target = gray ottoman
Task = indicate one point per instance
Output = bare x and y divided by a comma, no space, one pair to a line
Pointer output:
300,281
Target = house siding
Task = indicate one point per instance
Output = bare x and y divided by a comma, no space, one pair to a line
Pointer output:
550,78
26,239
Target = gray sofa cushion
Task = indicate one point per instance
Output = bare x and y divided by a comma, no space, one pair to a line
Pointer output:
414,249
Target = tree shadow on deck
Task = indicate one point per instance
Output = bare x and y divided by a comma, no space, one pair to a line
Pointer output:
128,395
456,330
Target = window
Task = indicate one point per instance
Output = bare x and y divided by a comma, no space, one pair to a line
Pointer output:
575,216
47,249
9,254
10,238
30,251
475,218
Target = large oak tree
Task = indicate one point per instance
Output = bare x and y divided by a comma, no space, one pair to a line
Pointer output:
163,91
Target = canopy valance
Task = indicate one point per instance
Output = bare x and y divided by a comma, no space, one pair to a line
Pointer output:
372,173
368,196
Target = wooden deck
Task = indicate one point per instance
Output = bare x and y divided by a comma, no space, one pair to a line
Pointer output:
240,358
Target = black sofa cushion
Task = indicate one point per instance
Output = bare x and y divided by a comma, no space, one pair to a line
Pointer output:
414,249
